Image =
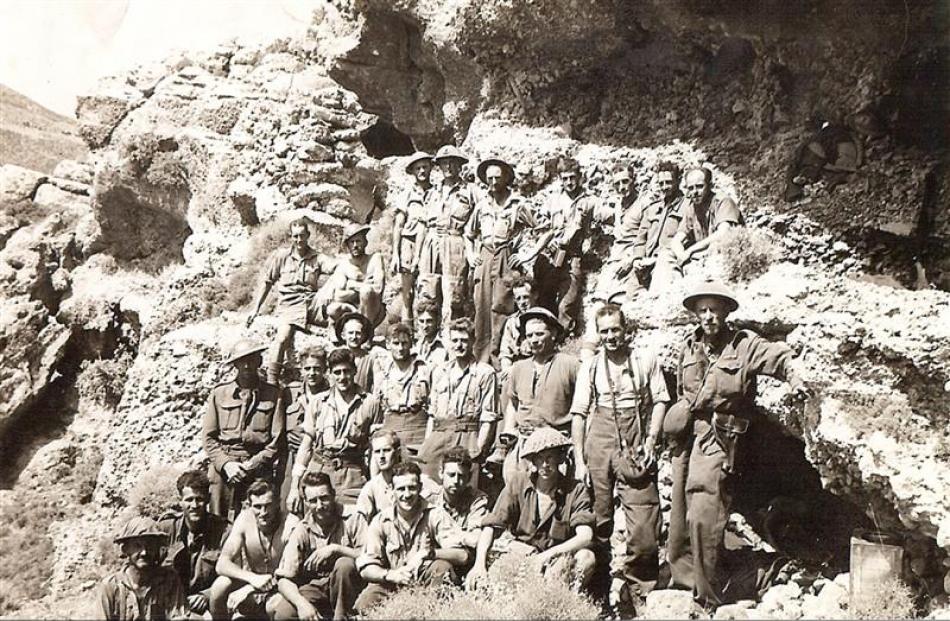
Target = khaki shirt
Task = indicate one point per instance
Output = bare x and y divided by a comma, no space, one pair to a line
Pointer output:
433,353
335,421
543,393
498,226
414,205
468,518
640,382
390,541
193,556
244,424
378,494
513,345
698,227
164,598
308,537
292,274
450,209
658,226
570,219
402,390
465,394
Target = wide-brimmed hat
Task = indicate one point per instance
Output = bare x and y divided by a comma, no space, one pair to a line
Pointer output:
138,527
539,312
506,169
368,327
353,229
449,151
711,289
543,438
243,348
415,158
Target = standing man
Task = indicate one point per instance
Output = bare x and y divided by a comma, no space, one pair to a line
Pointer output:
514,347
408,224
248,562
195,538
142,589
243,430
429,347
495,233
463,405
318,568
358,281
558,269
716,381
618,409
661,220
332,441
539,389
296,272
408,543
547,513
444,246
302,397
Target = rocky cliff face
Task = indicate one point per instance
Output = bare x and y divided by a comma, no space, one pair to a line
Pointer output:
127,276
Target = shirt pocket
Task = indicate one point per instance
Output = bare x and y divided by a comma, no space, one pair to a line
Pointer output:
261,421
560,530
727,376
229,417
692,375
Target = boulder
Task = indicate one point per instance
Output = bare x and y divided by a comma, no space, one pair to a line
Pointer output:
18,183
100,112
671,604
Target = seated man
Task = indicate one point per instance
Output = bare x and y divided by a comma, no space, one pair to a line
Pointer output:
195,536
464,505
248,560
513,346
142,589
408,543
302,399
318,568
354,332
541,510
358,281
378,493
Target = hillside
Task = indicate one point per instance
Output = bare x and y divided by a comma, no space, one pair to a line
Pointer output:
32,136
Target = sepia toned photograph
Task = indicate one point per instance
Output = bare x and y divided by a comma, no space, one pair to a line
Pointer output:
474,309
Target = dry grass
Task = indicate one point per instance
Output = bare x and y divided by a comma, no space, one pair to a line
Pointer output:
747,253
892,600
103,380
512,591
155,492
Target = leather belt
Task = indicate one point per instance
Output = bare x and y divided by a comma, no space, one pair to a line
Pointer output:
452,424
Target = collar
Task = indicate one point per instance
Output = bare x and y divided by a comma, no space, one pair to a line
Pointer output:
311,252
391,514
560,491
315,528
236,390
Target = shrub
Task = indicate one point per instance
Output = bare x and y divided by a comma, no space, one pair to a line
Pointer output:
103,380
25,547
155,492
891,600
747,252
512,591
197,299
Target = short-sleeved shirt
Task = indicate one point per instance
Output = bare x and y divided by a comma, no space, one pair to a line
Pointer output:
194,555
698,227
658,226
401,390
516,511
336,420
301,405
433,352
543,392
639,382
390,542
468,517
414,205
292,273
570,219
377,494
464,394
498,226
308,537
450,208
512,341
627,225
163,599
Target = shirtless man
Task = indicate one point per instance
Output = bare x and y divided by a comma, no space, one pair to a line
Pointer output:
359,280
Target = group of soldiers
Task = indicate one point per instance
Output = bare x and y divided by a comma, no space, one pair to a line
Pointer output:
470,434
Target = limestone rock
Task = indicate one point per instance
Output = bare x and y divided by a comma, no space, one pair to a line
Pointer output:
72,170
671,604
101,112
18,183
830,603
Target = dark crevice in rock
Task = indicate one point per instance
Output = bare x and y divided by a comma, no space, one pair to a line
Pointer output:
382,139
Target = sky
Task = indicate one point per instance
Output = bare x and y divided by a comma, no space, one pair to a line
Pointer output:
52,50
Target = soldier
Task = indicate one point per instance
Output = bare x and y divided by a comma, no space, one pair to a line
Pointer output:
357,282
195,537
296,272
246,567
618,409
465,506
429,347
627,216
408,223
539,389
495,232
558,269
332,441
142,589
318,568
463,405
354,331
547,513
716,386
302,398
660,223
444,247
514,347
408,543
378,493
243,430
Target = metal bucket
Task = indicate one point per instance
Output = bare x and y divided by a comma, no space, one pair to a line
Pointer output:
876,559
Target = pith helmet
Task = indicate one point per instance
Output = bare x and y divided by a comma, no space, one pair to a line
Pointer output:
711,289
449,151
243,348
539,312
506,169
353,229
139,526
415,158
543,438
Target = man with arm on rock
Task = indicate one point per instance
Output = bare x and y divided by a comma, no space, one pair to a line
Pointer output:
659,225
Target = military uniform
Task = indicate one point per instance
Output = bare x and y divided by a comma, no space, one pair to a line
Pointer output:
245,425
297,280
193,555
118,600
402,403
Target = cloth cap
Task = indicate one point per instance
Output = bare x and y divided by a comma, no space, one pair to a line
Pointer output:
368,327
243,348
353,229
539,312
713,289
415,158
140,526
449,151
543,438
506,169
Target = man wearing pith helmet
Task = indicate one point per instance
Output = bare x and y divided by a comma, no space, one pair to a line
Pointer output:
408,224
358,281
143,588
243,429
716,390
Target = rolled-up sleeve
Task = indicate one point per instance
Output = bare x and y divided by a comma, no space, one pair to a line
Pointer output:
488,397
507,508
658,389
581,403
581,513
295,553
373,547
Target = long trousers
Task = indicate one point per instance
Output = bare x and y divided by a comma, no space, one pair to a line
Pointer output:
491,290
331,595
436,573
560,289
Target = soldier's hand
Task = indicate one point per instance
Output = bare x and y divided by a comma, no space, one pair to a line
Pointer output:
581,473
198,603
649,451
263,583
293,501
402,576
233,471
320,557
306,612
476,575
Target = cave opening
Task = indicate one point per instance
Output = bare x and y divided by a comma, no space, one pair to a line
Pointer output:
383,139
